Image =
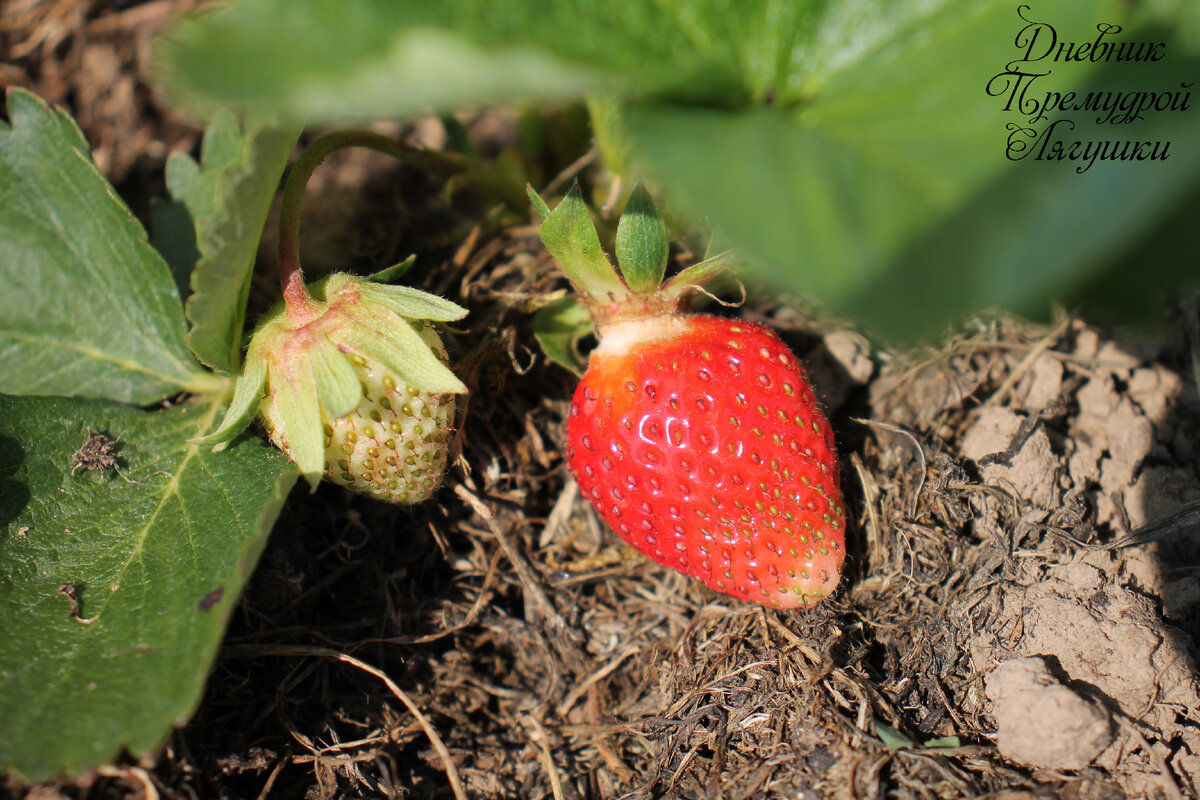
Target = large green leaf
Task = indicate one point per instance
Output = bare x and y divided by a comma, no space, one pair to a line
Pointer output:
1121,233
155,557
227,195
850,147
891,194
87,307
335,58
193,192
367,58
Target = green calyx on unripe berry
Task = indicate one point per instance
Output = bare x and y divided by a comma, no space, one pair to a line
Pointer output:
635,287
354,348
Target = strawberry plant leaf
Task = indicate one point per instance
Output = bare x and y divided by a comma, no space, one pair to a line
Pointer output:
888,145
401,58
1042,232
822,194
193,196
88,307
849,147
890,195
692,278
943,742
1139,288
539,205
173,234
117,586
892,739
1117,249
559,327
228,196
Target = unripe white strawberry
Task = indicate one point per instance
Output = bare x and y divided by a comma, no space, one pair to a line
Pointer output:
353,386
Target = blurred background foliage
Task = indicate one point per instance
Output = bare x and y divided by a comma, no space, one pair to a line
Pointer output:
849,148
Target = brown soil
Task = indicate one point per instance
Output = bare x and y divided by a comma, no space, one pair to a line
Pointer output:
1024,549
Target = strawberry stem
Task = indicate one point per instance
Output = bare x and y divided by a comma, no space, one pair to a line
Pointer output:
300,304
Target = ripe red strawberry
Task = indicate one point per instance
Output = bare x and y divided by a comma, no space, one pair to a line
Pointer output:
699,440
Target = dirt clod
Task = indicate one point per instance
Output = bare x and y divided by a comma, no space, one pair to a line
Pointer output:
1041,722
1109,638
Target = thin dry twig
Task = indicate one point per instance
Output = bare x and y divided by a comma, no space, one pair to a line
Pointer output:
574,168
1164,527
456,784
598,675
136,774
1042,345
270,782
887,426
541,742
563,637
435,740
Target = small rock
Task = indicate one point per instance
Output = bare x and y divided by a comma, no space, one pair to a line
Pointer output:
841,364
853,352
1156,390
1087,342
1116,357
1042,723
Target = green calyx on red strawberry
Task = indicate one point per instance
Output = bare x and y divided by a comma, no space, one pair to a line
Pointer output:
352,384
698,439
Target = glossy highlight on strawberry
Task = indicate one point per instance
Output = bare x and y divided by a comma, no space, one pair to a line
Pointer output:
700,443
